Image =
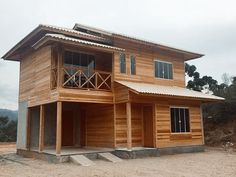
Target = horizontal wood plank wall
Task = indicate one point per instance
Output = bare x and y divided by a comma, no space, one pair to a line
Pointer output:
145,57
164,137
121,93
35,74
82,95
99,125
137,125
121,125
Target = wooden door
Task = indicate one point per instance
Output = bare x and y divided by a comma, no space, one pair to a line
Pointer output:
148,126
67,128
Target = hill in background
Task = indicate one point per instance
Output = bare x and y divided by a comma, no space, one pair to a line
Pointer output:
11,114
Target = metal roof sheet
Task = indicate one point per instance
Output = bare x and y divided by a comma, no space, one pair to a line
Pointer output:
167,90
75,32
109,33
66,38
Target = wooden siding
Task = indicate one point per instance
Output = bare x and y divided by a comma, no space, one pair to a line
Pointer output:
164,137
121,93
137,124
99,125
35,71
145,57
121,125
80,95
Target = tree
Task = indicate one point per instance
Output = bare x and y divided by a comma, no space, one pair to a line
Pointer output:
8,130
197,83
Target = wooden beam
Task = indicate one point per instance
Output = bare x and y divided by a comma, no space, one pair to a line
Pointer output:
28,128
154,125
202,127
129,126
59,66
59,122
41,128
114,111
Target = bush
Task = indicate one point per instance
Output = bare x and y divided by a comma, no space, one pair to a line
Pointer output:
8,129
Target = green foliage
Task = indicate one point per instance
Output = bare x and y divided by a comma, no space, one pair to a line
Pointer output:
8,130
197,83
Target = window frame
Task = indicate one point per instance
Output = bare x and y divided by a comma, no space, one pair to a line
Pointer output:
77,51
135,64
167,62
189,117
120,63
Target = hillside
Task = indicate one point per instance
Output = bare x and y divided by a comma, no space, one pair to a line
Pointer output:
11,114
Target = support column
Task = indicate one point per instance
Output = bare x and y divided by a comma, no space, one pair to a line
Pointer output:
41,128
129,127
28,128
59,122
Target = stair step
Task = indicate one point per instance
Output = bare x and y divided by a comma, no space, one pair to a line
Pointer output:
109,157
81,160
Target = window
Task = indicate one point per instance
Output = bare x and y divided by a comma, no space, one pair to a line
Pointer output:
122,63
81,60
179,120
133,65
163,70
78,59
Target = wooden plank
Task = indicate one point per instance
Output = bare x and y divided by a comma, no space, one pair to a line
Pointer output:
41,128
129,126
59,126
99,125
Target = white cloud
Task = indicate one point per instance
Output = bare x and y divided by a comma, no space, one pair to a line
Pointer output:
206,26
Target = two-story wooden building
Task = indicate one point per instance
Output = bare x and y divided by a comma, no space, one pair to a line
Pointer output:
85,87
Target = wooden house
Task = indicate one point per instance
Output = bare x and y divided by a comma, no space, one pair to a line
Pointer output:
87,88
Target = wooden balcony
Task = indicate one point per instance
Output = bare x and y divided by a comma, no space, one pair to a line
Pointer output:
82,78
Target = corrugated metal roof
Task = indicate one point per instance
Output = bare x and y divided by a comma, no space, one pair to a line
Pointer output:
109,33
75,32
66,38
167,90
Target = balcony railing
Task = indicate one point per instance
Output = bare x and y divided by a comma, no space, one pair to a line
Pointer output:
85,78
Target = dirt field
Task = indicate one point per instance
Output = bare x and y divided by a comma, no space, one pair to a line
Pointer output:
214,163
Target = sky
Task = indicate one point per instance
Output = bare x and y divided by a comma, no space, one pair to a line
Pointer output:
203,26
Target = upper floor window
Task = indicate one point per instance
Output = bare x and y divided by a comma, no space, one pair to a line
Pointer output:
133,65
163,70
79,59
180,120
122,63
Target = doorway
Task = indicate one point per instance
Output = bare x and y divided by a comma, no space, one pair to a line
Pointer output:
67,128
148,126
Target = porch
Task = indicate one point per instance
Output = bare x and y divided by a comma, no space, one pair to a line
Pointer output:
81,68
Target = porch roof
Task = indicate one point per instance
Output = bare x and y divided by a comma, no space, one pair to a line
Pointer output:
62,38
153,89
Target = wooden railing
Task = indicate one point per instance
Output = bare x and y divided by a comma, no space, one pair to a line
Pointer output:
83,78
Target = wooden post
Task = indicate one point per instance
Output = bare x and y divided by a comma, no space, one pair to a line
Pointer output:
203,136
129,127
59,66
59,122
28,128
41,128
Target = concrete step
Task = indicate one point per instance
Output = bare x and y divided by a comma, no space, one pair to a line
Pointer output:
109,157
81,160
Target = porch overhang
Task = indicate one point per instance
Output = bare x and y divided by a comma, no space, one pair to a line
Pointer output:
147,89
73,41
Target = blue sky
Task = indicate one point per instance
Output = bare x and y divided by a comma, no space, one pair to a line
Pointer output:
203,26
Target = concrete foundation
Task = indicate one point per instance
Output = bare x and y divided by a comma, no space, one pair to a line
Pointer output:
181,149
123,154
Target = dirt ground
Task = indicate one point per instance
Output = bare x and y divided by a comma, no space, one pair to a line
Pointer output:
214,163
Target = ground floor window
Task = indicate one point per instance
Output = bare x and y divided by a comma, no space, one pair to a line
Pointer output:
179,120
